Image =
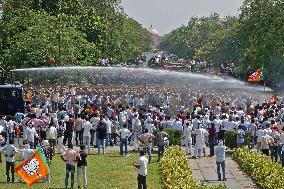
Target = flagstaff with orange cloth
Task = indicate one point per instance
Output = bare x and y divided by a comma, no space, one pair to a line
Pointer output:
255,76
33,169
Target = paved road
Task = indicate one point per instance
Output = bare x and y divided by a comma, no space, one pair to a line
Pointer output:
204,169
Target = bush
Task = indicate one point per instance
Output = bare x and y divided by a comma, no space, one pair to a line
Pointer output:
174,136
266,174
177,173
230,139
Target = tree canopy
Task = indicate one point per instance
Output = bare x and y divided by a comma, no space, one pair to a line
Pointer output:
254,39
70,32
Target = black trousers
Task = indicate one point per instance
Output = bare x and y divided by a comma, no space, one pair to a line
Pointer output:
10,165
92,131
142,182
265,151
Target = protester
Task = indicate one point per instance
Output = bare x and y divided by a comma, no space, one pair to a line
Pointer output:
142,168
240,137
87,126
48,152
101,130
146,140
82,167
211,139
70,157
265,142
201,135
220,160
187,138
124,134
10,152
162,138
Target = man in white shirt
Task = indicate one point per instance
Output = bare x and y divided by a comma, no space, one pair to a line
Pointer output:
55,100
142,170
11,125
124,134
10,160
108,131
94,121
52,136
259,134
177,125
31,135
87,134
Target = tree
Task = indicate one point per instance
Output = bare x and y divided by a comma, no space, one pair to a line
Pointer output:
261,33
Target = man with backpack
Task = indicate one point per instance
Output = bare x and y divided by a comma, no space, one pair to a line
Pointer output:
162,137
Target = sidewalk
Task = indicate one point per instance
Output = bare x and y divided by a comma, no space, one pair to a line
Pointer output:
204,169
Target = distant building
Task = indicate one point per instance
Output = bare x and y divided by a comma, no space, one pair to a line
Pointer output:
154,35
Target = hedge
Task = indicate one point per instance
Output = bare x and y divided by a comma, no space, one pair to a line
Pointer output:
265,173
174,136
177,173
230,139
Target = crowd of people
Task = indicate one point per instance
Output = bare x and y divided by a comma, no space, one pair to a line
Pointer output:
56,122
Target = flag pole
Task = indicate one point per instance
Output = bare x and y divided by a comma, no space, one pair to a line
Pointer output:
263,77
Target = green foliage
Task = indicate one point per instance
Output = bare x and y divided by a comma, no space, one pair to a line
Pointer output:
177,173
72,32
230,139
266,173
261,34
174,136
252,40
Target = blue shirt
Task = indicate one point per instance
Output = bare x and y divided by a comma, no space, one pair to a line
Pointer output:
220,153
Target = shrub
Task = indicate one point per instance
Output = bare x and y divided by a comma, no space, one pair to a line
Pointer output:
177,173
174,136
266,174
230,139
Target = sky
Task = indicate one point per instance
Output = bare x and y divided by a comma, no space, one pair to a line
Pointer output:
166,15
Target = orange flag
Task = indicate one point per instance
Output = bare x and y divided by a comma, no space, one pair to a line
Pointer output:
273,100
33,169
255,76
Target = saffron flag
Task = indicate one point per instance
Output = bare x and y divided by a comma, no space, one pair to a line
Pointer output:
255,76
33,169
273,100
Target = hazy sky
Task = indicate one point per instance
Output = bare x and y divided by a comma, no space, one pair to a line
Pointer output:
166,15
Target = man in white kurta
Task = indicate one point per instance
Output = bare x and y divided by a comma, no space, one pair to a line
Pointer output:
187,137
201,135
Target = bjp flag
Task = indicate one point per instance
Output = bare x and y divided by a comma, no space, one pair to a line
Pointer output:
33,169
255,76
273,100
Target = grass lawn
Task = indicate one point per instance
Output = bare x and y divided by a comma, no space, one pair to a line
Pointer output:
109,171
